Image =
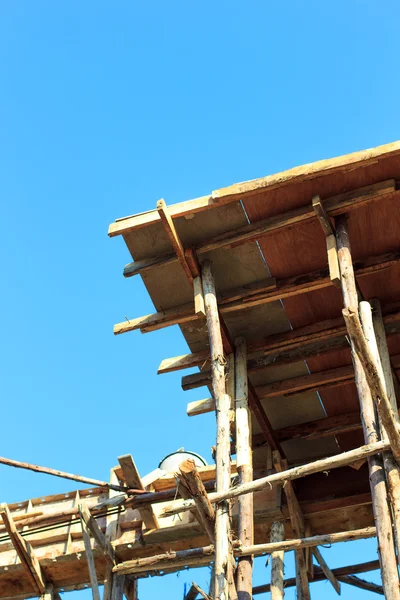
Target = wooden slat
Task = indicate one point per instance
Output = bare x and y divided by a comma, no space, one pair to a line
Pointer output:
89,557
97,533
24,551
132,476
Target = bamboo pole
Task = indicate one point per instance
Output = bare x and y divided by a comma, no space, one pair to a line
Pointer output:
380,505
222,401
244,463
324,464
277,561
204,555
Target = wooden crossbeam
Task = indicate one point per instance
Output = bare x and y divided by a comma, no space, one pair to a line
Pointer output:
328,573
24,551
256,294
97,533
132,476
174,237
362,584
89,556
280,348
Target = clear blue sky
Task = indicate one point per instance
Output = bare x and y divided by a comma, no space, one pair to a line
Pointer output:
104,108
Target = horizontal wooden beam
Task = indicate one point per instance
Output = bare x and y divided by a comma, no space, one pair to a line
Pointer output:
287,347
256,294
286,387
319,575
317,466
237,191
196,556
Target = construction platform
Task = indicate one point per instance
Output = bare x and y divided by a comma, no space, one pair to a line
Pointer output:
275,249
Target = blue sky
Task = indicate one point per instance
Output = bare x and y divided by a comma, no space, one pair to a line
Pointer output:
105,108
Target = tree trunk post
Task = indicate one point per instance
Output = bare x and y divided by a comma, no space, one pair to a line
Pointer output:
223,549
277,562
380,505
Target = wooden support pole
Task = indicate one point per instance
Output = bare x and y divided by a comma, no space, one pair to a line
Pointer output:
89,557
379,351
329,231
190,480
377,480
328,573
205,555
244,463
222,522
112,523
98,535
277,562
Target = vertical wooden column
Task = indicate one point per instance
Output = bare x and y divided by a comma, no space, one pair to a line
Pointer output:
223,550
376,338
277,560
244,463
380,505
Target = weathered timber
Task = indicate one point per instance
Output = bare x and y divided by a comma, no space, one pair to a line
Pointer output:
190,479
173,237
319,575
362,584
257,294
89,557
375,382
48,471
328,573
324,464
377,479
222,400
24,551
141,266
282,348
204,555
277,562
244,464
98,535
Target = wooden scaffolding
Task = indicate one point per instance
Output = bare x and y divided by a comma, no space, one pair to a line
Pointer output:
286,290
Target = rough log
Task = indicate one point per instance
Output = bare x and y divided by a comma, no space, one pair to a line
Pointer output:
90,558
324,464
204,555
328,573
377,478
362,584
223,462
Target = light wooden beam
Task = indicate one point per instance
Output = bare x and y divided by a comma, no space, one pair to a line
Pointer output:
24,551
256,294
93,527
362,584
89,556
174,237
132,477
328,573
190,480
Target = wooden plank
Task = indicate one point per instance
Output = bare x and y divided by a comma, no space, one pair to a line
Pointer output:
200,407
142,266
333,261
255,295
230,194
199,307
329,575
132,476
190,480
112,527
24,551
323,216
89,557
174,237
